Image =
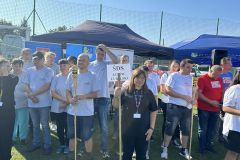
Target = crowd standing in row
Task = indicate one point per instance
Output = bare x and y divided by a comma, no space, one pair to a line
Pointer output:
34,85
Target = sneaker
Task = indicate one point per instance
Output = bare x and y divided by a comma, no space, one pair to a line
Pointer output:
66,150
134,154
105,155
164,154
47,151
184,153
60,149
147,156
33,148
176,144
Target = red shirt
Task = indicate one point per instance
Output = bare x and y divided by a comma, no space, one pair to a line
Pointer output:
212,89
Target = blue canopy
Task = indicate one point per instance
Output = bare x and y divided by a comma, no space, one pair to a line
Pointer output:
113,35
200,49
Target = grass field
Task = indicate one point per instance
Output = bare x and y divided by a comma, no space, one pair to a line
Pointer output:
19,152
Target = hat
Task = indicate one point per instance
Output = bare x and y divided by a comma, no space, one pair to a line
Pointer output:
38,55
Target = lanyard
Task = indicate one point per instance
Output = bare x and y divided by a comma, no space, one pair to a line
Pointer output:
138,98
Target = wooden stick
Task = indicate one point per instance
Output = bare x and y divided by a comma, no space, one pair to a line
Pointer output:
194,86
75,76
120,121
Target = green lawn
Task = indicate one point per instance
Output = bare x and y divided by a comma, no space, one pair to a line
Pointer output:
20,154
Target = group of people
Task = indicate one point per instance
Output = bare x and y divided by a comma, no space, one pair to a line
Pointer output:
34,85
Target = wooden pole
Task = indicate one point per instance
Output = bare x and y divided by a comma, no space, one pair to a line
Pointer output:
194,86
120,121
74,76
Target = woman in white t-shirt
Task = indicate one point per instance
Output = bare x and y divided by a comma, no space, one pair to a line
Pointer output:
231,124
60,103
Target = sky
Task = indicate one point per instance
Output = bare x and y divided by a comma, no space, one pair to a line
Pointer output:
227,9
183,19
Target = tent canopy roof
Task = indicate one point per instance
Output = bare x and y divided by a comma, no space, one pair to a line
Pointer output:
113,35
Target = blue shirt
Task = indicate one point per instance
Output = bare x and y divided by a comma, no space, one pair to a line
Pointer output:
227,79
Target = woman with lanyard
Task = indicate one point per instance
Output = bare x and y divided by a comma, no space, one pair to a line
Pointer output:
7,110
139,112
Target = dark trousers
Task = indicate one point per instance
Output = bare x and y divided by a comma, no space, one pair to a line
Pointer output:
177,130
61,121
7,120
207,128
135,142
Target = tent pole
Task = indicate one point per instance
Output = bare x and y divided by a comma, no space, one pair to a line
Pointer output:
160,36
100,12
217,26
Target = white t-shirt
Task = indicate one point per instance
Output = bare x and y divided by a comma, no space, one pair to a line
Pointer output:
181,84
86,83
55,68
27,65
152,86
155,77
59,86
163,81
231,99
100,70
36,78
19,96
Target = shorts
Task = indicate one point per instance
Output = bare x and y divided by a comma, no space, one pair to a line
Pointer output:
231,142
178,115
84,127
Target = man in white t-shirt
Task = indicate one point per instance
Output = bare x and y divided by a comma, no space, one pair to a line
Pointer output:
231,122
174,67
38,83
26,56
101,103
86,91
179,107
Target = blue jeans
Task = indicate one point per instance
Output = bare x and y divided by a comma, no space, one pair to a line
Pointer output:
101,106
40,115
21,123
207,128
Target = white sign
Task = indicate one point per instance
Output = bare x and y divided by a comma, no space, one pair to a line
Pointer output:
123,69
119,52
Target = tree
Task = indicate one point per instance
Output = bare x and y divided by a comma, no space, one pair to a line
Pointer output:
5,30
60,29
24,23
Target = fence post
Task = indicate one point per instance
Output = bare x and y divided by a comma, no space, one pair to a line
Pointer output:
217,26
160,36
100,12
34,13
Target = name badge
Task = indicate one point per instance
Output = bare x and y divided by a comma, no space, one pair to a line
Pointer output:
136,115
1,103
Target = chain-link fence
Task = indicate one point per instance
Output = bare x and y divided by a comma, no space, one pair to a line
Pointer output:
159,27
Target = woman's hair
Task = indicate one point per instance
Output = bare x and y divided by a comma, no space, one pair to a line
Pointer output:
63,61
17,61
136,73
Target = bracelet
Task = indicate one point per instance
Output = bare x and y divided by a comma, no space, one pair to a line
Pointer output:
151,128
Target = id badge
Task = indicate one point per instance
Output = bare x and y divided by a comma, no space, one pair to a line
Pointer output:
136,115
1,103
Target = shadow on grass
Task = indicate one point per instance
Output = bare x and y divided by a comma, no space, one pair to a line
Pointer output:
19,152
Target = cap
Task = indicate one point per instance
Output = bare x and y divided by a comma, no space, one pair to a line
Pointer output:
38,55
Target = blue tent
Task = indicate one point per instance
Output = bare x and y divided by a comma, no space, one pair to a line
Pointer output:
200,49
113,35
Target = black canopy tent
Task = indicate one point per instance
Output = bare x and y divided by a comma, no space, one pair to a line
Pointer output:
113,35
